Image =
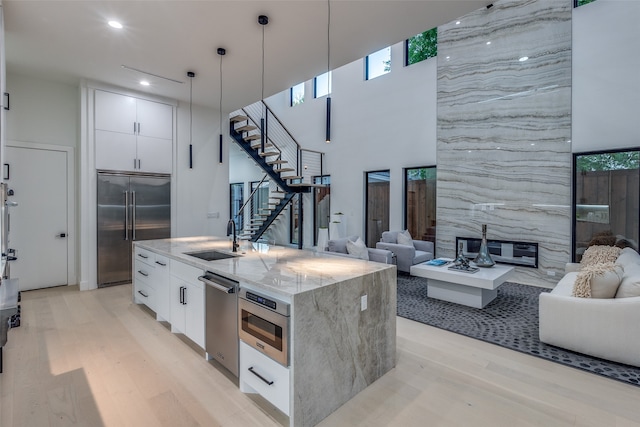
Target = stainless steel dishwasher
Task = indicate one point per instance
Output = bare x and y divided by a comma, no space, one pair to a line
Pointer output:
221,325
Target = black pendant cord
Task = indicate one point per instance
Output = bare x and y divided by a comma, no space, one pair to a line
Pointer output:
263,131
191,75
328,119
221,52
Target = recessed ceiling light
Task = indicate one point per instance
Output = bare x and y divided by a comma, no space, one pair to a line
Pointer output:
457,22
524,58
488,43
533,143
115,24
144,83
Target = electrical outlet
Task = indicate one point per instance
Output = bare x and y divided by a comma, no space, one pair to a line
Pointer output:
551,273
363,303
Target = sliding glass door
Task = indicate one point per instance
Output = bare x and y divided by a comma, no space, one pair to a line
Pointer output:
377,205
420,202
606,199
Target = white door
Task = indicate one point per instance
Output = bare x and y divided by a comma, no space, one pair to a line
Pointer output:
38,225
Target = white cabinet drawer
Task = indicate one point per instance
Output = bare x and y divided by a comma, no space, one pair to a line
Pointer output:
143,294
262,375
145,256
144,272
186,272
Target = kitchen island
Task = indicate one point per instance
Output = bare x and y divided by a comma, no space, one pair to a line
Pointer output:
342,332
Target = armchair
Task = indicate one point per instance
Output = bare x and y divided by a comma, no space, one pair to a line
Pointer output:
406,255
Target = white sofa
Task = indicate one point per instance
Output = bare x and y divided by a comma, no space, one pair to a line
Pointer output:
604,328
339,247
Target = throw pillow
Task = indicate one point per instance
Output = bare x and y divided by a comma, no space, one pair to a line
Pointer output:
338,245
598,254
598,281
358,248
404,238
630,285
627,257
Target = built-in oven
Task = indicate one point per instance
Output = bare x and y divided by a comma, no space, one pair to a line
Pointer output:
264,324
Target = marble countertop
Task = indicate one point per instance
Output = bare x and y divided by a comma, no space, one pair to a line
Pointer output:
283,270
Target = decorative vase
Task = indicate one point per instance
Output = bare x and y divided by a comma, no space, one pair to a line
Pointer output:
461,260
484,258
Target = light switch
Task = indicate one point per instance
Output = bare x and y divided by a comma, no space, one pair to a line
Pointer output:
363,303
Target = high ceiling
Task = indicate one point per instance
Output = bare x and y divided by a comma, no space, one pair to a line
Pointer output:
70,40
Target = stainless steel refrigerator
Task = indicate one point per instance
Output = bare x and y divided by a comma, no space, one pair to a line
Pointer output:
130,208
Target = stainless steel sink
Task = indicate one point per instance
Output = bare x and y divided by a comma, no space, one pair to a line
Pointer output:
210,255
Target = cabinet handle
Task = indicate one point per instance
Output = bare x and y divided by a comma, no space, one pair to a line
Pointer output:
164,264
8,106
138,128
182,288
143,294
139,164
143,256
184,295
133,215
143,273
260,376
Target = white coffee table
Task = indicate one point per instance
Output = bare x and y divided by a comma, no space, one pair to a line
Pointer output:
472,289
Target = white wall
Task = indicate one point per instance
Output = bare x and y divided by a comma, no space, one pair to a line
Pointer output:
385,123
42,111
606,70
204,189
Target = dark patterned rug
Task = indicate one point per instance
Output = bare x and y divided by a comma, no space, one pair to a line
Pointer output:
511,321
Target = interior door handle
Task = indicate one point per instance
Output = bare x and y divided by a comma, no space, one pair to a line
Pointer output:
61,235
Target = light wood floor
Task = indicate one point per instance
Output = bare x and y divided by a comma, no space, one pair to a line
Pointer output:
95,359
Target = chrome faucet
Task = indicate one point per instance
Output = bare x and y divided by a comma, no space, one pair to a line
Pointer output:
231,228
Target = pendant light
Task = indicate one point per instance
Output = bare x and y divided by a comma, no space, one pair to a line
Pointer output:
221,52
328,122
191,75
263,20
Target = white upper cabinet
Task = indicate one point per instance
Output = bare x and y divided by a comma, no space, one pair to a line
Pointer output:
133,135
115,113
155,120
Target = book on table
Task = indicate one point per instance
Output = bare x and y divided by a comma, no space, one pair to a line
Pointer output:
438,262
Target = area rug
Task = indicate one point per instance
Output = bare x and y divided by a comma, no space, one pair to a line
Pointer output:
511,321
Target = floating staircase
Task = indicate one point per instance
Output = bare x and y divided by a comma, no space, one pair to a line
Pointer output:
288,168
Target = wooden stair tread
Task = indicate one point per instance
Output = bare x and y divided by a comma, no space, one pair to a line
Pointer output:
306,184
238,118
277,162
269,153
280,170
259,146
291,177
252,137
245,128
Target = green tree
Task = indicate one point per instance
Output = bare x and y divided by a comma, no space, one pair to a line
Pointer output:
608,161
422,46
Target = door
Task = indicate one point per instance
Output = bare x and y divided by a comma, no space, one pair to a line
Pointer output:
150,208
114,239
38,225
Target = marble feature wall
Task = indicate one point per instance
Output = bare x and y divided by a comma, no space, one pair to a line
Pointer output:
338,350
504,130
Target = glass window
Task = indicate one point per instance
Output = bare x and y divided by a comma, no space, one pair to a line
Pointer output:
321,205
421,46
378,63
606,199
420,202
237,199
294,219
377,206
322,85
297,94
260,199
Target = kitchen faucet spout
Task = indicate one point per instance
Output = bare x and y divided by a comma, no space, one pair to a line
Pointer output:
231,229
